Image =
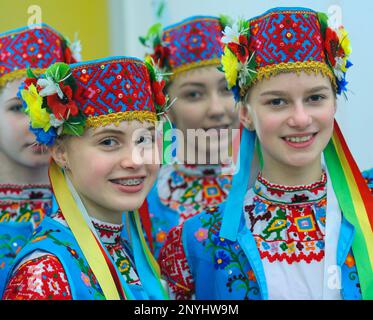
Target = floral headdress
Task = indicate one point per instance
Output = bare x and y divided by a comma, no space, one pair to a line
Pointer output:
194,42
67,99
34,47
284,40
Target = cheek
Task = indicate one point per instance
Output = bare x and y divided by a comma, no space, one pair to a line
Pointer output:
89,172
152,170
189,116
266,127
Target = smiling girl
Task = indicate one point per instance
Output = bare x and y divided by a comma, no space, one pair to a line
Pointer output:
293,227
189,51
99,121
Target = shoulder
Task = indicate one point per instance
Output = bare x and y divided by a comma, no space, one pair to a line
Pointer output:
38,277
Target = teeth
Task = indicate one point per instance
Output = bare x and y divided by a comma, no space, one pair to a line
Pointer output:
298,139
129,182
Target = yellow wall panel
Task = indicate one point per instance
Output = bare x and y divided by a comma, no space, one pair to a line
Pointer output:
89,18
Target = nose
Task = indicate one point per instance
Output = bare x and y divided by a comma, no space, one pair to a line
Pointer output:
216,110
132,158
300,117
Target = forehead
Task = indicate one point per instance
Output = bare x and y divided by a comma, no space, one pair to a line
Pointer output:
204,75
10,90
124,127
292,82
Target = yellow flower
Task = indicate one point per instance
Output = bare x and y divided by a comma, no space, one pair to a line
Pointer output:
39,117
230,67
344,41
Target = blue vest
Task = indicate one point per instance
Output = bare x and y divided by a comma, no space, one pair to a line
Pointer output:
162,218
13,237
224,269
58,240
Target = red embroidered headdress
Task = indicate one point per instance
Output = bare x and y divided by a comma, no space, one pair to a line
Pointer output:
36,48
67,99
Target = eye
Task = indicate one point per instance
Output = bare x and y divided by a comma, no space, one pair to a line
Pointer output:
109,142
316,98
193,95
277,102
16,108
145,140
225,91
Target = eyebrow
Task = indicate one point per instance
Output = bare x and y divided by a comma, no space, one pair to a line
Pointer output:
117,131
282,93
196,84
14,99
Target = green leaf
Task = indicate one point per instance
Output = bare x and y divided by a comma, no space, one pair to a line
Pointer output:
143,40
323,19
151,70
73,129
225,20
58,71
30,73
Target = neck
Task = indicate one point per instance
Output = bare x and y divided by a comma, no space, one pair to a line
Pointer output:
12,172
292,176
94,210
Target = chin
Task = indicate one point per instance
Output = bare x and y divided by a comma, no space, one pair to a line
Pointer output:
301,162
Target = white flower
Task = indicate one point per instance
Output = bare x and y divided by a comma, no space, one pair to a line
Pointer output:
339,63
76,49
49,87
56,123
231,34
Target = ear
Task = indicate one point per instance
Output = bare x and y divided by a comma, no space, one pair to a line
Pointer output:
59,154
246,117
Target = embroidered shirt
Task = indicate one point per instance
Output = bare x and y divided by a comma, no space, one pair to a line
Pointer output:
188,190
288,225
22,203
41,276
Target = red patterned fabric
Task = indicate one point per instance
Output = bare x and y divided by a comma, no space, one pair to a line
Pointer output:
286,36
113,85
43,278
192,41
32,47
174,266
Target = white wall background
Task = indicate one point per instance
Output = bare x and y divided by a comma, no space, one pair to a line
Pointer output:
132,18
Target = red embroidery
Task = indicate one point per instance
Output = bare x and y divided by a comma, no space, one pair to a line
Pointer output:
174,265
42,278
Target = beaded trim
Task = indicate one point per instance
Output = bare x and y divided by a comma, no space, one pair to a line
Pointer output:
116,118
17,74
193,65
272,12
297,67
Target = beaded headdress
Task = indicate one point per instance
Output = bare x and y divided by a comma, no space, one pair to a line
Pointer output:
191,43
34,47
284,40
68,98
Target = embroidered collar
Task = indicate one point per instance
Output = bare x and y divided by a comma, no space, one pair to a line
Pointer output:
29,192
290,195
189,194
109,233
198,170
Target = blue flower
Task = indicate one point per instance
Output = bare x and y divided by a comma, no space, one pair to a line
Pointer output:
236,93
21,87
221,260
341,85
221,241
46,138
